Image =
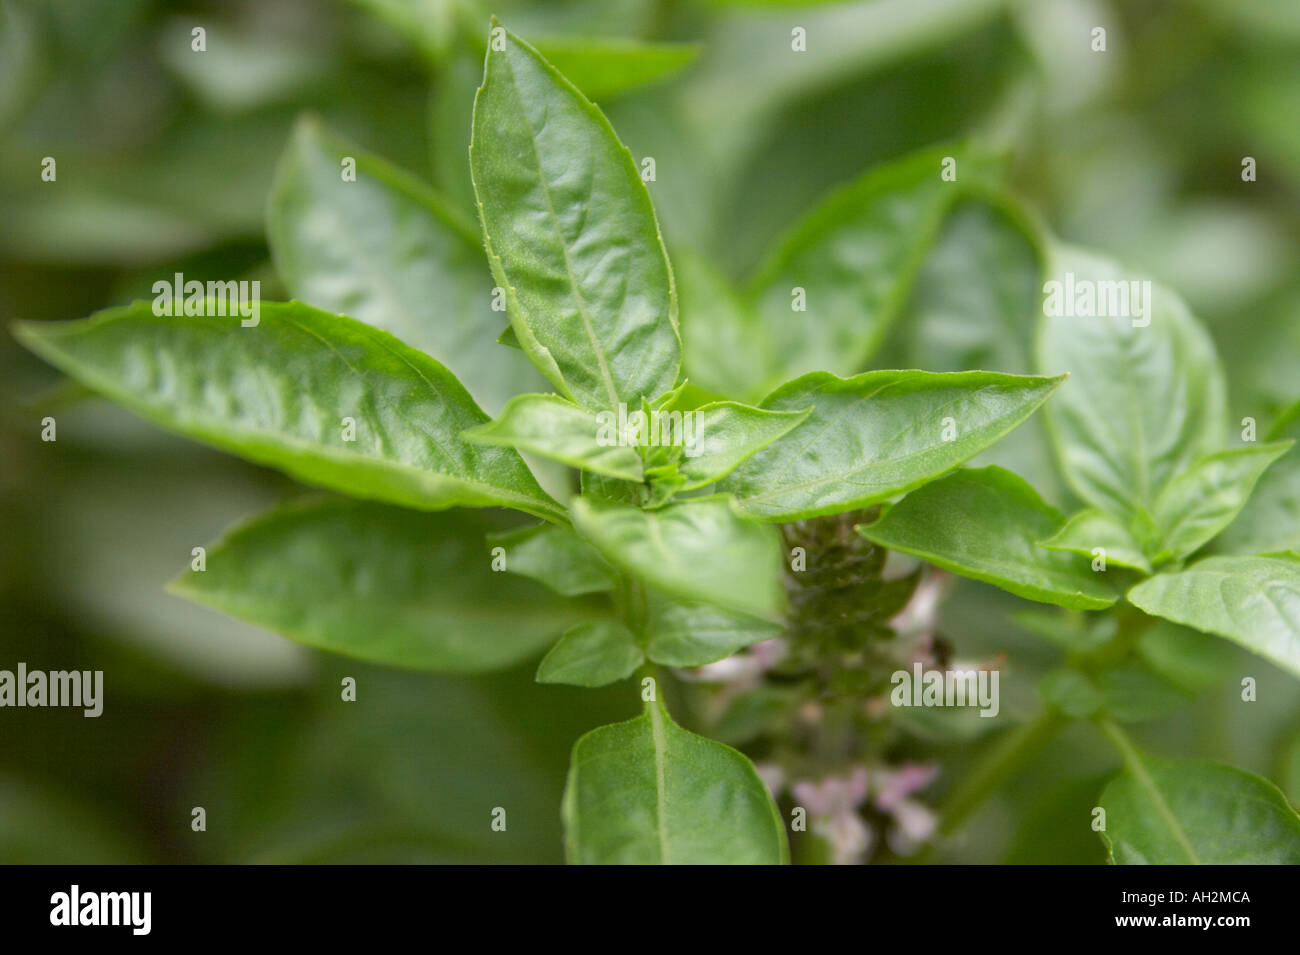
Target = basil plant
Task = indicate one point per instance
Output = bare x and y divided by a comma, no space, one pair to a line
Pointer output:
623,466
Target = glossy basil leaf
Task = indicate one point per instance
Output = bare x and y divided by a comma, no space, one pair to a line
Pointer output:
571,235
1143,402
604,67
278,393
728,434
557,557
876,435
681,799
558,429
1197,812
854,257
1270,521
379,583
986,523
387,250
1253,601
691,634
696,549
1091,528
1203,500
591,654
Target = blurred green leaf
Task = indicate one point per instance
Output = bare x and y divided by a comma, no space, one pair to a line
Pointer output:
378,583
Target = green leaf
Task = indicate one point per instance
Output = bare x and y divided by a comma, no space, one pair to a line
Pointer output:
379,583
558,429
1270,521
1072,632
591,654
691,634
697,549
604,67
571,235
724,347
1187,658
681,799
1092,528
1203,500
1253,601
1134,694
1200,812
277,393
986,523
387,250
1143,402
876,435
557,557
1070,692
854,256
727,434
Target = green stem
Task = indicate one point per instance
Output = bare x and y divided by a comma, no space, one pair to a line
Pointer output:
1004,761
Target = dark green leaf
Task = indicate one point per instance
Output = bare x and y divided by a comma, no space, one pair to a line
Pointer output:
381,584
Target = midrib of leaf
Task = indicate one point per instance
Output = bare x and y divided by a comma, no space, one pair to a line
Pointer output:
661,793
596,347
1133,760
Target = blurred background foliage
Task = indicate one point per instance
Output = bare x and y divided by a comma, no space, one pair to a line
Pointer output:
165,159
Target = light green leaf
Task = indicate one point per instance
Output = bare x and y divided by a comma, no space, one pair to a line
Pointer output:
986,523
696,549
691,634
591,654
1143,402
1203,500
387,250
681,799
1092,528
558,429
278,393
1134,694
1198,812
1253,601
557,557
854,256
876,435
604,67
571,235
728,434
381,584
1270,521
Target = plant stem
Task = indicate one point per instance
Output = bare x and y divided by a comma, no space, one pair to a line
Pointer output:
1006,758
